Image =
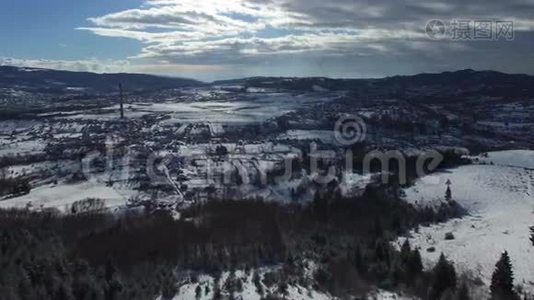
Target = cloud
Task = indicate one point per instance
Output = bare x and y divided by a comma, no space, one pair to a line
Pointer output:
89,65
238,31
194,30
303,37
111,66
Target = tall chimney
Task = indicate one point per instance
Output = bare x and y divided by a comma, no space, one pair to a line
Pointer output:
122,101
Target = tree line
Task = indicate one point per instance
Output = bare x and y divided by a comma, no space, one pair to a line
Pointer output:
137,255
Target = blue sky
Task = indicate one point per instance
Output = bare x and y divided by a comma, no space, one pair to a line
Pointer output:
215,39
46,30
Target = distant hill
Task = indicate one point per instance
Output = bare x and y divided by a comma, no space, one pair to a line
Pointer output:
463,83
447,85
54,81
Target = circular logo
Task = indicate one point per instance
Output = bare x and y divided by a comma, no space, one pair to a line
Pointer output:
435,29
350,130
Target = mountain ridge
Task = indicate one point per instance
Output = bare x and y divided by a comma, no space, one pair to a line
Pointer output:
447,84
54,81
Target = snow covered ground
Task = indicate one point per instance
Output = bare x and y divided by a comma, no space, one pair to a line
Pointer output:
516,158
325,136
249,291
21,147
385,295
499,196
225,109
63,195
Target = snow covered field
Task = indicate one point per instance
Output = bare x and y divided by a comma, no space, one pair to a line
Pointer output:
249,290
240,108
515,158
61,196
21,147
325,136
499,196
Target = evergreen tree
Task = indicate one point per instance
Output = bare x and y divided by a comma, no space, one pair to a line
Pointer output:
378,228
256,279
406,251
113,285
463,293
502,281
217,292
448,193
444,278
198,292
532,234
359,260
415,264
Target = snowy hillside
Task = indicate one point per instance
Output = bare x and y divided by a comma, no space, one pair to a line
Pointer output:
62,196
246,287
500,200
514,158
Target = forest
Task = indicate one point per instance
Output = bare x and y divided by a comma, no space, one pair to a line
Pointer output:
139,255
